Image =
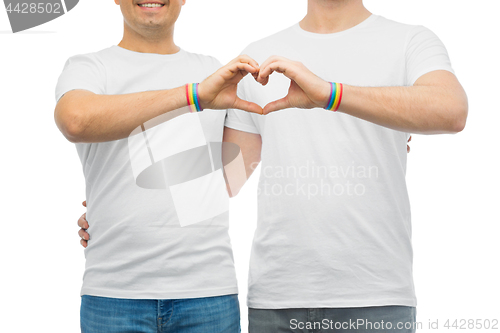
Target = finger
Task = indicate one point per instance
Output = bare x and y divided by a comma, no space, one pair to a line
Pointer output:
280,104
283,67
241,66
265,71
82,221
409,139
244,59
408,148
264,81
84,243
272,59
237,68
249,60
84,203
247,106
245,73
83,234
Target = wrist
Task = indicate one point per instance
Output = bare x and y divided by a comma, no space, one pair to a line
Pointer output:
193,98
335,97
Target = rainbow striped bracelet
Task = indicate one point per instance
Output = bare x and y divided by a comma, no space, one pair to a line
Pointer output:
192,97
336,92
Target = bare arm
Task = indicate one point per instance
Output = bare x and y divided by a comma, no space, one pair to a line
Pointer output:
83,116
436,103
250,146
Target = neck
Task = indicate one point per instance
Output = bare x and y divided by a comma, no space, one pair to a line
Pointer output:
330,16
150,42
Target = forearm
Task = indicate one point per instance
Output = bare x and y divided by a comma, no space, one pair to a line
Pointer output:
86,117
416,109
436,103
240,169
83,116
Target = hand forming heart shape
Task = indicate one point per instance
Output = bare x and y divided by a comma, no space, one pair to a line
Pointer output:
306,90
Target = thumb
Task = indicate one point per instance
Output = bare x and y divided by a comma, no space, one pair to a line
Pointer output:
280,104
247,106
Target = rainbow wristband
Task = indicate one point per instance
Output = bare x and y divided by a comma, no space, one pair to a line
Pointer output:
337,89
192,97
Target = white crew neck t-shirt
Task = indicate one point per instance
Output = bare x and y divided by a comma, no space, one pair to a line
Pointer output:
138,249
334,227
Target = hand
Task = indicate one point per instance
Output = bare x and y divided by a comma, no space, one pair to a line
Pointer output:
84,225
218,91
306,90
408,146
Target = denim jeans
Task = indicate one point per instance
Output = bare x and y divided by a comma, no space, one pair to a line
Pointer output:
208,315
397,319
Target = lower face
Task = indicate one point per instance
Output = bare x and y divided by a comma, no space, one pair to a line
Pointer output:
150,13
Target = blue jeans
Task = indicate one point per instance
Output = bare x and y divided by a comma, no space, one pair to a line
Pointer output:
383,319
208,315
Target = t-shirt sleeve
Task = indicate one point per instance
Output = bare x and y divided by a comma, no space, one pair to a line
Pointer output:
425,53
238,119
81,72
213,65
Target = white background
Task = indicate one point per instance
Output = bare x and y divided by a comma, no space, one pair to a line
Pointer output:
453,179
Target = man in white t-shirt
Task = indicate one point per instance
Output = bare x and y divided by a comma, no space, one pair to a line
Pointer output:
160,258
333,239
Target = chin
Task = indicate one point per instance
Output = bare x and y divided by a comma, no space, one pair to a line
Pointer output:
151,25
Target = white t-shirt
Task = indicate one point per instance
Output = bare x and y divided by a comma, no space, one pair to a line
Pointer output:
138,249
334,227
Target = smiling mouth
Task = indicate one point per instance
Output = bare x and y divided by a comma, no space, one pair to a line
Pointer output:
151,5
